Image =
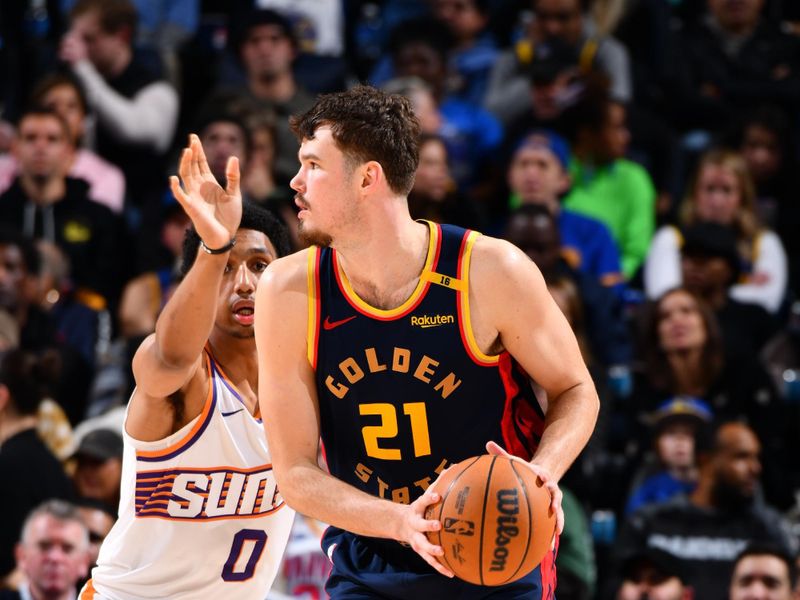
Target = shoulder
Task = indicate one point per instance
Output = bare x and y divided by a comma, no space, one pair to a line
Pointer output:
490,253
498,269
288,274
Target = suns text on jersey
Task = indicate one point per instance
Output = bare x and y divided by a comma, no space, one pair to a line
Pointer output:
212,493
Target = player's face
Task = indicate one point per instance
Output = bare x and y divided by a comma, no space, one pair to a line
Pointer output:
680,324
54,556
42,147
762,577
537,176
717,196
64,100
433,177
325,186
247,261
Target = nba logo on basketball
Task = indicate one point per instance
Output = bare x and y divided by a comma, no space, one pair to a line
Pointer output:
507,511
459,526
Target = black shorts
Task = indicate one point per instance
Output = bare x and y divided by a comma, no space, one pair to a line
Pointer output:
370,568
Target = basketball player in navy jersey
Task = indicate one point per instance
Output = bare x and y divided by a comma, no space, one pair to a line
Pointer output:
406,346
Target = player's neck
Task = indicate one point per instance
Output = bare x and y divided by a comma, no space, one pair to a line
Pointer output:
236,357
384,266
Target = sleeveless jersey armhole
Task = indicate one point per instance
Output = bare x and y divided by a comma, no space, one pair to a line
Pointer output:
464,318
314,306
186,436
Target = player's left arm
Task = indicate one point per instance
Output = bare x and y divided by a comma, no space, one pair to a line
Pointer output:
511,308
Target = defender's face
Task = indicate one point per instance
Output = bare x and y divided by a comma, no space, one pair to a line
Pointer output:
247,261
325,186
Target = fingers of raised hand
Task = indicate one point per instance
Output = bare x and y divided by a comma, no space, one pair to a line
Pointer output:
232,176
195,165
200,163
185,167
181,196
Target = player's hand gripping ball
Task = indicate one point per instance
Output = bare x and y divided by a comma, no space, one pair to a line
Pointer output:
496,521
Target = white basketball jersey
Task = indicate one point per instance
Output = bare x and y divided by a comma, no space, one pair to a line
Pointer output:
200,515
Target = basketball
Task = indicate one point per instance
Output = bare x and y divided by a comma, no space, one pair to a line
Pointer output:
496,526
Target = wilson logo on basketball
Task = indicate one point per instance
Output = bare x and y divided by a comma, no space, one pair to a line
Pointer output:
426,321
459,526
508,509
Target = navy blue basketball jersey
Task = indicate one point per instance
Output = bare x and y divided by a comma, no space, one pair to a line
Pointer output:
406,392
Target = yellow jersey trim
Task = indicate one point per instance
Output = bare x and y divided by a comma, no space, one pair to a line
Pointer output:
422,284
466,258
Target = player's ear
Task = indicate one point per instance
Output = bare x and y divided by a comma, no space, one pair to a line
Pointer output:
371,175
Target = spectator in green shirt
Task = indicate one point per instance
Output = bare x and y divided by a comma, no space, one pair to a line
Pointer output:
605,185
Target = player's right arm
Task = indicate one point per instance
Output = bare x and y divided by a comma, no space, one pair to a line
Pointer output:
290,408
170,360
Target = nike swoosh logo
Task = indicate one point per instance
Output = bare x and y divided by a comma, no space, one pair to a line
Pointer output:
233,412
327,324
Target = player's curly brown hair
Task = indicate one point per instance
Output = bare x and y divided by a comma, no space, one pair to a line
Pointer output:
369,124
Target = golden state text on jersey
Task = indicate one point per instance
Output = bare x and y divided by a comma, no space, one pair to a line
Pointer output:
406,392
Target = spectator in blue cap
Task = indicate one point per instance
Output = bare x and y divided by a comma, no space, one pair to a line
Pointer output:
679,426
537,174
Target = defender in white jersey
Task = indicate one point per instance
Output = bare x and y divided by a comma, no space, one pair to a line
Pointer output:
200,515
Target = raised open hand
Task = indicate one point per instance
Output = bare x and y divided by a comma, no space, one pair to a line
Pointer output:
215,213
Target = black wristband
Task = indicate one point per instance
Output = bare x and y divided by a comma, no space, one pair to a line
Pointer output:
222,250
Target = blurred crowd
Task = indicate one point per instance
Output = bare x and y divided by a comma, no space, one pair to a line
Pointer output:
641,152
